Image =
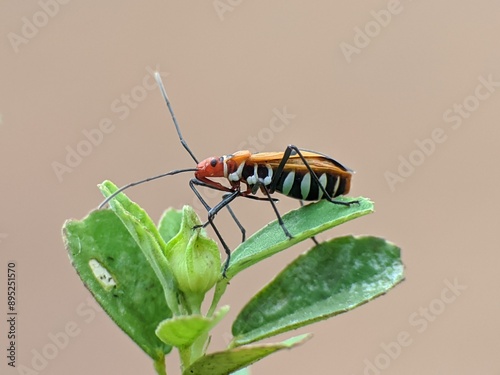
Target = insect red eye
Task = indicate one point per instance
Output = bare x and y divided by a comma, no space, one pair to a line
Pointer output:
213,162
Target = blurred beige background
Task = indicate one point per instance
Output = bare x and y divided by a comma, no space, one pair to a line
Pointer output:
405,92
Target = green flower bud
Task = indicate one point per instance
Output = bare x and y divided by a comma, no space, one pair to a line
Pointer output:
194,259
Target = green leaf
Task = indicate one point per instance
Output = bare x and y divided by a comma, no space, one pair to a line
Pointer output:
332,278
113,268
231,360
144,232
302,223
183,330
170,224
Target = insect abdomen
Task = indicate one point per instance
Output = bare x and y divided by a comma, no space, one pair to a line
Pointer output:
300,185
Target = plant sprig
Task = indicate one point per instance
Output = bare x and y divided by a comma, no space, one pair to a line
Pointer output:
128,263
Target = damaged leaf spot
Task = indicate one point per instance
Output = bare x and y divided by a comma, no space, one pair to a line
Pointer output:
102,274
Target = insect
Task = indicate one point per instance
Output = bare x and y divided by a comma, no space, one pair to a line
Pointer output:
298,173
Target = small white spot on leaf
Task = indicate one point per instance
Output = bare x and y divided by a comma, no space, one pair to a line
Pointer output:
102,275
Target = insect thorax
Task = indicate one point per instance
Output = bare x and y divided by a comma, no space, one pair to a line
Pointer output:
257,174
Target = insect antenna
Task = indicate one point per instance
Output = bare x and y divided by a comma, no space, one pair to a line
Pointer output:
181,138
143,181
165,96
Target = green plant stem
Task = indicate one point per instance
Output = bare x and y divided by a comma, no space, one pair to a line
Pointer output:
220,288
193,303
191,353
159,365
185,357
198,347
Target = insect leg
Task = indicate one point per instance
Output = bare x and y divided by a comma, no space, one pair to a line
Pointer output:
226,199
224,245
194,182
280,220
240,226
313,238
212,224
243,194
